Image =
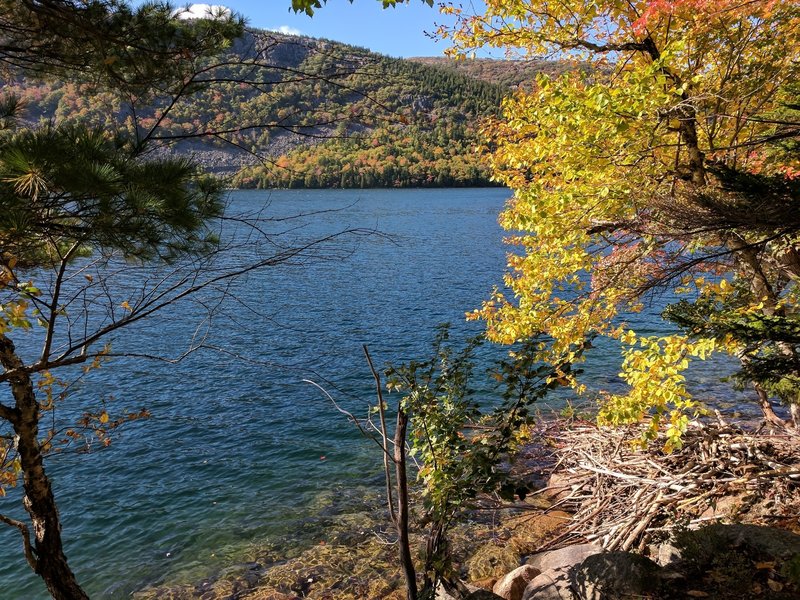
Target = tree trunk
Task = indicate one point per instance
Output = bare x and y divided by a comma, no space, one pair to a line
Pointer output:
403,542
432,547
50,561
766,407
760,287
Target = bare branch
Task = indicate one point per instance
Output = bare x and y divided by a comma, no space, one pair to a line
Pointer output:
7,413
605,48
30,555
349,415
384,435
167,293
51,320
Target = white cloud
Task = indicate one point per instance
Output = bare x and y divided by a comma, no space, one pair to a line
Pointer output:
203,11
286,30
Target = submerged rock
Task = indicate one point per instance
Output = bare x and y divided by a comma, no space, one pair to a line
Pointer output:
270,595
492,560
530,532
485,584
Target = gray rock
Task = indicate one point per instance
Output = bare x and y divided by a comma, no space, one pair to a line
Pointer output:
553,584
482,595
614,576
443,594
559,486
766,541
564,557
665,554
512,586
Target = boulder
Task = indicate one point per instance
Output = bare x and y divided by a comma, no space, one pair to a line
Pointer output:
482,595
267,594
563,557
722,507
443,594
753,539
615,575
553,584
559,486
741,561
512,586
665,554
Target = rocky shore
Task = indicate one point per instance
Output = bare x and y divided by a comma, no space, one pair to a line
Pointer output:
717,519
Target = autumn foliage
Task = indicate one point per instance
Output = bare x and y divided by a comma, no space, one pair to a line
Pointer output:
666,164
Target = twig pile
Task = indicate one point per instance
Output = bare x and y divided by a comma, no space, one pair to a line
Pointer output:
623,496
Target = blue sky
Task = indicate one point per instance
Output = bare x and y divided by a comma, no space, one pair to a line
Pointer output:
398,31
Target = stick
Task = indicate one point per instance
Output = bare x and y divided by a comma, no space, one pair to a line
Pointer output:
384,436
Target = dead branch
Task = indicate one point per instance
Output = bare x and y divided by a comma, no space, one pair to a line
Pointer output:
623,497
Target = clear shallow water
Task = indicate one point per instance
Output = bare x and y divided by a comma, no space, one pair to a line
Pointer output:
232,454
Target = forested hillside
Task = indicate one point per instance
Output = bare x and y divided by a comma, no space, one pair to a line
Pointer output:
507,73
391,122
287,111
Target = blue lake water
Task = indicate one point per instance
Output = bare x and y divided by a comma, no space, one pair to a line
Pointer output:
232,456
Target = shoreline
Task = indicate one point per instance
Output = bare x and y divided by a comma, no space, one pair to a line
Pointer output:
357,559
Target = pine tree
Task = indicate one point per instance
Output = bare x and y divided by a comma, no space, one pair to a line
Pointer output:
70,190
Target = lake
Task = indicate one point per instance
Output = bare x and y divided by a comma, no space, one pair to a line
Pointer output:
239,450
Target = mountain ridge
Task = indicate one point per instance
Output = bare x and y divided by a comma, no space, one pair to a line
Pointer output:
292,111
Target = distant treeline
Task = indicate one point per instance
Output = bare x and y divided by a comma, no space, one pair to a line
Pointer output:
444,156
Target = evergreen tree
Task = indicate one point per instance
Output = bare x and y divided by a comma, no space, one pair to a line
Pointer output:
68,191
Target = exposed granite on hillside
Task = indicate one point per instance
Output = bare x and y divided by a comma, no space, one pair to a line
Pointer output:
508,73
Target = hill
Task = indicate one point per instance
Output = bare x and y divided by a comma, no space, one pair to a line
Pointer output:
505,73
288,111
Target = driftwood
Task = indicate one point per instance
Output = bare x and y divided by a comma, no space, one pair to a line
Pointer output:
624,497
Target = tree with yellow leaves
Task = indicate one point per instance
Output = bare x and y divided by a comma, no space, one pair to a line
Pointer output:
665,160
